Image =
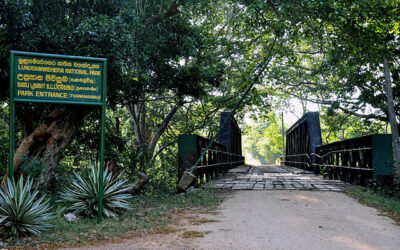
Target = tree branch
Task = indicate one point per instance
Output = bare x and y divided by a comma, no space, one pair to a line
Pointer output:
162,128
295,66
309,52
172,10
364,116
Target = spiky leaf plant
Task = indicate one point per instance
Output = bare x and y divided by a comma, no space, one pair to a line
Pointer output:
83,194
21,213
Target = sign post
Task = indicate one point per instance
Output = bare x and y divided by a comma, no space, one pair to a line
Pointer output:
49,78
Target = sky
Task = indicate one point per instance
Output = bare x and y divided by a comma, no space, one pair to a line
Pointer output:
293,113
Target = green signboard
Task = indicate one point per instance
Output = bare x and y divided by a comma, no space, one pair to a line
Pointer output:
48,78
54,78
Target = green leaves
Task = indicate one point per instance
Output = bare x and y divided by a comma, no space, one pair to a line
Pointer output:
21,212
83,194
263,139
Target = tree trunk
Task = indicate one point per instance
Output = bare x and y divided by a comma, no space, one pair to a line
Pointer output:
139,184
48,141
60,136
392,115
146,138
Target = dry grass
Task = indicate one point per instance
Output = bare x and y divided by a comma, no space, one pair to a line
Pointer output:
192,234
200,221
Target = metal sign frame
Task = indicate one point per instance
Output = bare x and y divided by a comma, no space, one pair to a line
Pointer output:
102,103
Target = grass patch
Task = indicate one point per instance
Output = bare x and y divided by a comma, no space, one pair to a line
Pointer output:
388,205
150,215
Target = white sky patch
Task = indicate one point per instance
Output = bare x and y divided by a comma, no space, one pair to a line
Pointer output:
295,111
292,113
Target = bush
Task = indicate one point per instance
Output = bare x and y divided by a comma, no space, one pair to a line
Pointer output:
391,191
20,212
83,194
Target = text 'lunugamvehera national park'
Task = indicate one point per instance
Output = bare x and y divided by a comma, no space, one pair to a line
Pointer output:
57,79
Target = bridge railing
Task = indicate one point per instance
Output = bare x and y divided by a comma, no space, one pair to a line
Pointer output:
216,160
359,159
355,160
302,161
301,140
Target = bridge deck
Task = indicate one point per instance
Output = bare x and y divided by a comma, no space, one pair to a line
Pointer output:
273,177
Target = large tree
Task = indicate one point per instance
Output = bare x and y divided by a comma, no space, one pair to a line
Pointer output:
144,42
159,67
88,28
330,52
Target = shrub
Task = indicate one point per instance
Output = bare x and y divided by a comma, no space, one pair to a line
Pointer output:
83,194
21,213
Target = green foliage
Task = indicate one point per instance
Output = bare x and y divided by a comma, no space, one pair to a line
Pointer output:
165,58
163,173
21,211
390,191
83,194
4,140
263,140
336,126
30,167
352,38
151,214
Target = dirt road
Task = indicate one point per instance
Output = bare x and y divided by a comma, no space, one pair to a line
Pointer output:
281,220
298,220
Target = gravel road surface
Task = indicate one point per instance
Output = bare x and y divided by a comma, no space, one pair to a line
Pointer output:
280,220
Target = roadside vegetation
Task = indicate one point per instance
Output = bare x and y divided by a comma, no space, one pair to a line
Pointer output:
149,214
385,200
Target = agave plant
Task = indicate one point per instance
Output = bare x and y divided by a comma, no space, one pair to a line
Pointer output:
21,213
83,194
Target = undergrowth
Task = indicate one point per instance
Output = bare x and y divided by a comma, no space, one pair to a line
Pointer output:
150,215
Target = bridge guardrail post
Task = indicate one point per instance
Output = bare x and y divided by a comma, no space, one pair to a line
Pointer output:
382,159
187,152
